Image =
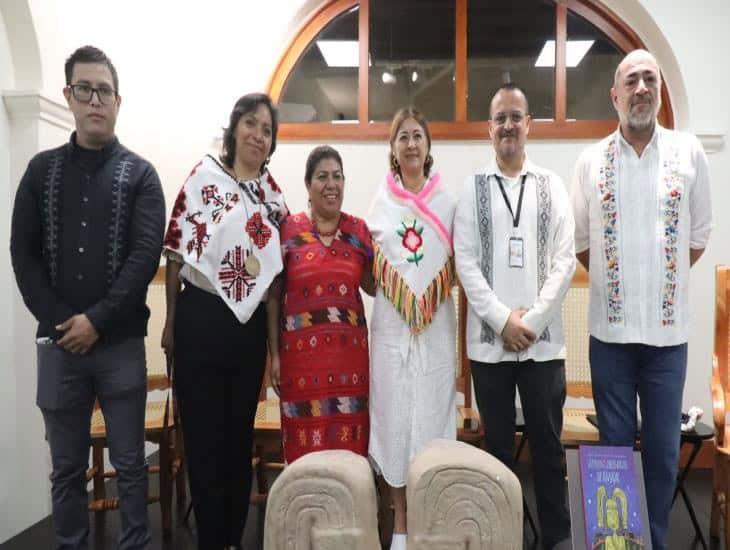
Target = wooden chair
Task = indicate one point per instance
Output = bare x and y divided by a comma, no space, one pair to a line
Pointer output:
160,425
267,453
721,406
576,428
469,429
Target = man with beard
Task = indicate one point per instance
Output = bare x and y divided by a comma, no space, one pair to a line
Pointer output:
641,199
513,241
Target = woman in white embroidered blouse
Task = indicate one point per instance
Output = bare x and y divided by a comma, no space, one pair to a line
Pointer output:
223,243
413,329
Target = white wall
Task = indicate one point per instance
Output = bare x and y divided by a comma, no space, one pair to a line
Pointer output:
182,67
8,434
34,126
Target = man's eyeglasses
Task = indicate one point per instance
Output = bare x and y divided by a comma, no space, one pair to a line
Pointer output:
83,93
516,117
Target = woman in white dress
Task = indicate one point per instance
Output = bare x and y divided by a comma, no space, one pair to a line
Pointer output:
413,327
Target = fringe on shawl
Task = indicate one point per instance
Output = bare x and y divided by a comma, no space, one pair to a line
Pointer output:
417,312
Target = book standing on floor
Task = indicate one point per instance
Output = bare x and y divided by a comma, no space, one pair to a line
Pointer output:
611,495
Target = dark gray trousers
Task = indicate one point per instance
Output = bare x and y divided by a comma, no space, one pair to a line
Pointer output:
116,374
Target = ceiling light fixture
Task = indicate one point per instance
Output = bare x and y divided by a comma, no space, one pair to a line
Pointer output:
389,78
575,51
340,53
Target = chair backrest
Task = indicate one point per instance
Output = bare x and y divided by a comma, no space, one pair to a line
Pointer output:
575,323
575,327
722,323
463,367
156,361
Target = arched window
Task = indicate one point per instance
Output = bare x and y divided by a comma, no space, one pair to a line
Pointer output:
354,63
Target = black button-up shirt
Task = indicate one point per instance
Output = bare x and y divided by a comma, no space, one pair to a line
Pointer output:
86,237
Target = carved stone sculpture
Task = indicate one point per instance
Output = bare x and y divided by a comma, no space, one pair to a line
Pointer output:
323,501
461,497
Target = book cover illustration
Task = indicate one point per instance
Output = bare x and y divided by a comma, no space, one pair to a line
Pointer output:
610,498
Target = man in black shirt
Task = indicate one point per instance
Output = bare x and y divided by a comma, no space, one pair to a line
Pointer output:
86,237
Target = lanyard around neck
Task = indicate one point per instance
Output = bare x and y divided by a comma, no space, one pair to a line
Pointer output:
515,217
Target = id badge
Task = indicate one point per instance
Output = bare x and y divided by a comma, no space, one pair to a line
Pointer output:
516,252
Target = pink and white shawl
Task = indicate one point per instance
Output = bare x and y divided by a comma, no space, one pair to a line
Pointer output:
413,247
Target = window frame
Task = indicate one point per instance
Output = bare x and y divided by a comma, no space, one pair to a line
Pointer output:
460,128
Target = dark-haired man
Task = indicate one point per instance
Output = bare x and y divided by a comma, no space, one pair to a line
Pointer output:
85,242
513,242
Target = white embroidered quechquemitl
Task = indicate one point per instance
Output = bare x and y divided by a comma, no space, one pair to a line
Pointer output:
228,232
413,248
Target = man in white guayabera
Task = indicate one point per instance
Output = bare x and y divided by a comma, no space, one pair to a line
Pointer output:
641,200
513,241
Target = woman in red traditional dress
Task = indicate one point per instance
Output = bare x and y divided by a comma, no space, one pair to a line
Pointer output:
319,347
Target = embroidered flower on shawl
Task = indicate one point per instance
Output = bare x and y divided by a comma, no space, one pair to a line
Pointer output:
317,437
609,215
670,217
259,233
412,241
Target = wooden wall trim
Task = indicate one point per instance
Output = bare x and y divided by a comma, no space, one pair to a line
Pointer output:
561,73
461,83
447,131
294,50
608,22
460,129
624,37
363,73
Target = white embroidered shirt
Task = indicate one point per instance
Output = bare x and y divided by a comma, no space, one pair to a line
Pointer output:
482,228
639,217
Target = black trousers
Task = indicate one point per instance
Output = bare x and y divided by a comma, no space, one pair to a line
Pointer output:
219,366
542,393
